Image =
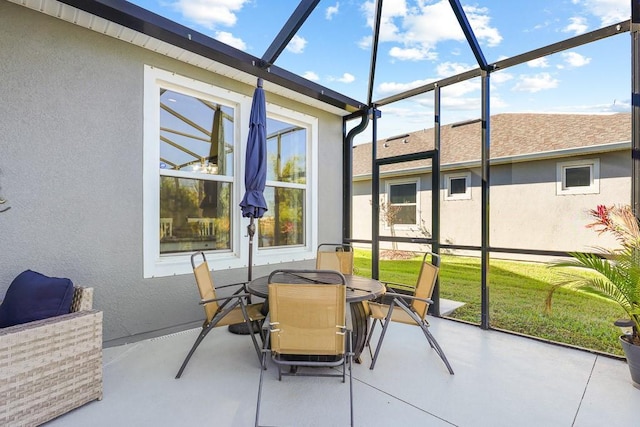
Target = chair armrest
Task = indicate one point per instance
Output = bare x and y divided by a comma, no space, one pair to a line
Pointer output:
54,322
411,297
241,284
399,286
82,299
207,301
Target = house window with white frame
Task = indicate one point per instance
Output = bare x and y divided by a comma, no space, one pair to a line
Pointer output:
458,186
194,137
197,146
578,177
283,224
402,206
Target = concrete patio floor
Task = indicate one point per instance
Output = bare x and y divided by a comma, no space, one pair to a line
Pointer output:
500,380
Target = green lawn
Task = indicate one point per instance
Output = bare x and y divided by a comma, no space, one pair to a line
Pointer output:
517,295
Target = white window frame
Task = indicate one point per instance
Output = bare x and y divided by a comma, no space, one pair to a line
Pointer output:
277,254
561,177
461,196
156,265
388,186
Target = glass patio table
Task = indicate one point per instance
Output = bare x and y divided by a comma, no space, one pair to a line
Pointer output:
359,289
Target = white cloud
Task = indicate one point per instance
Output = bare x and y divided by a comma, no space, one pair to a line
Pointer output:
310,75
535,83
459,90
431,24
501,77
390,11
228,38
575,60
346,78
392,88
419,29
331,11
297,44
538,63
411,54
448,69
461,104
577,25
497,102
210,13
479,20
609,11
365,42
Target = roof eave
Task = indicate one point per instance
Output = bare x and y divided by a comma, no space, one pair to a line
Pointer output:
519,158
150,24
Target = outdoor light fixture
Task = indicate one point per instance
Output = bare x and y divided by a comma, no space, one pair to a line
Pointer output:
625,325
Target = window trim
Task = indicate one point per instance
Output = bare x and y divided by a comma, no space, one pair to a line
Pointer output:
388,185
447,190
561,177
156,265
277,254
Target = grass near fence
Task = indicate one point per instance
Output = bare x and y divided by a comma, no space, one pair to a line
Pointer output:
517,292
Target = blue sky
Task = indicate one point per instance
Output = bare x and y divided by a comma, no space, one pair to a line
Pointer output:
421,42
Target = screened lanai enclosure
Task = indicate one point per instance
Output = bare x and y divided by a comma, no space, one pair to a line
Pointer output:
502,195
473,158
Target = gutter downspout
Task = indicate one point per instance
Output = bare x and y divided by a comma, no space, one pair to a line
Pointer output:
347,171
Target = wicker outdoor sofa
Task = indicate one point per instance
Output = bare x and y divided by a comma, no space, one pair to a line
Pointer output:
49,367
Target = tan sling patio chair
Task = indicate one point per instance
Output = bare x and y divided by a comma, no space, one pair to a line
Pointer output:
409,308
221,311
335,256
307,327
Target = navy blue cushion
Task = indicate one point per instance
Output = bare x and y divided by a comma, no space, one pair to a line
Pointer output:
34,296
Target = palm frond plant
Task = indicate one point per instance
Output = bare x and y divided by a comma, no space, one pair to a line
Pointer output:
614,273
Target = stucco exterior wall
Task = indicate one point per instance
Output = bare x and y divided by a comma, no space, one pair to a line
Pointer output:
71,112
526,212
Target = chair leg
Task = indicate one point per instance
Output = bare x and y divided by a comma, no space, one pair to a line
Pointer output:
262,369
367,343
203,333
385,325
434,344
379,346
351,376
373,326
249,324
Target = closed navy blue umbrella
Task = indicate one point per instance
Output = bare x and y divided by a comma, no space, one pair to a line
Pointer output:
255,175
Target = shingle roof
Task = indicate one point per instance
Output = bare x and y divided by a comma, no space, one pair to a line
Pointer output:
512,134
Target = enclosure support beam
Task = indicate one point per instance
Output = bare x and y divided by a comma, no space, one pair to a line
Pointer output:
635,106
289,30
486,145
435,195
374,51
468,33
375,196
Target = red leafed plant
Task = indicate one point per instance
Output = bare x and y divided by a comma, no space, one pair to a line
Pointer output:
617,271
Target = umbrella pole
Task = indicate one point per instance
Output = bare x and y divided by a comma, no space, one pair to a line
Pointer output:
242,328
251,230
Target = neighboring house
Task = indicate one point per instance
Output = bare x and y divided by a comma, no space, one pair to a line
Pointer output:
547,171
121,154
